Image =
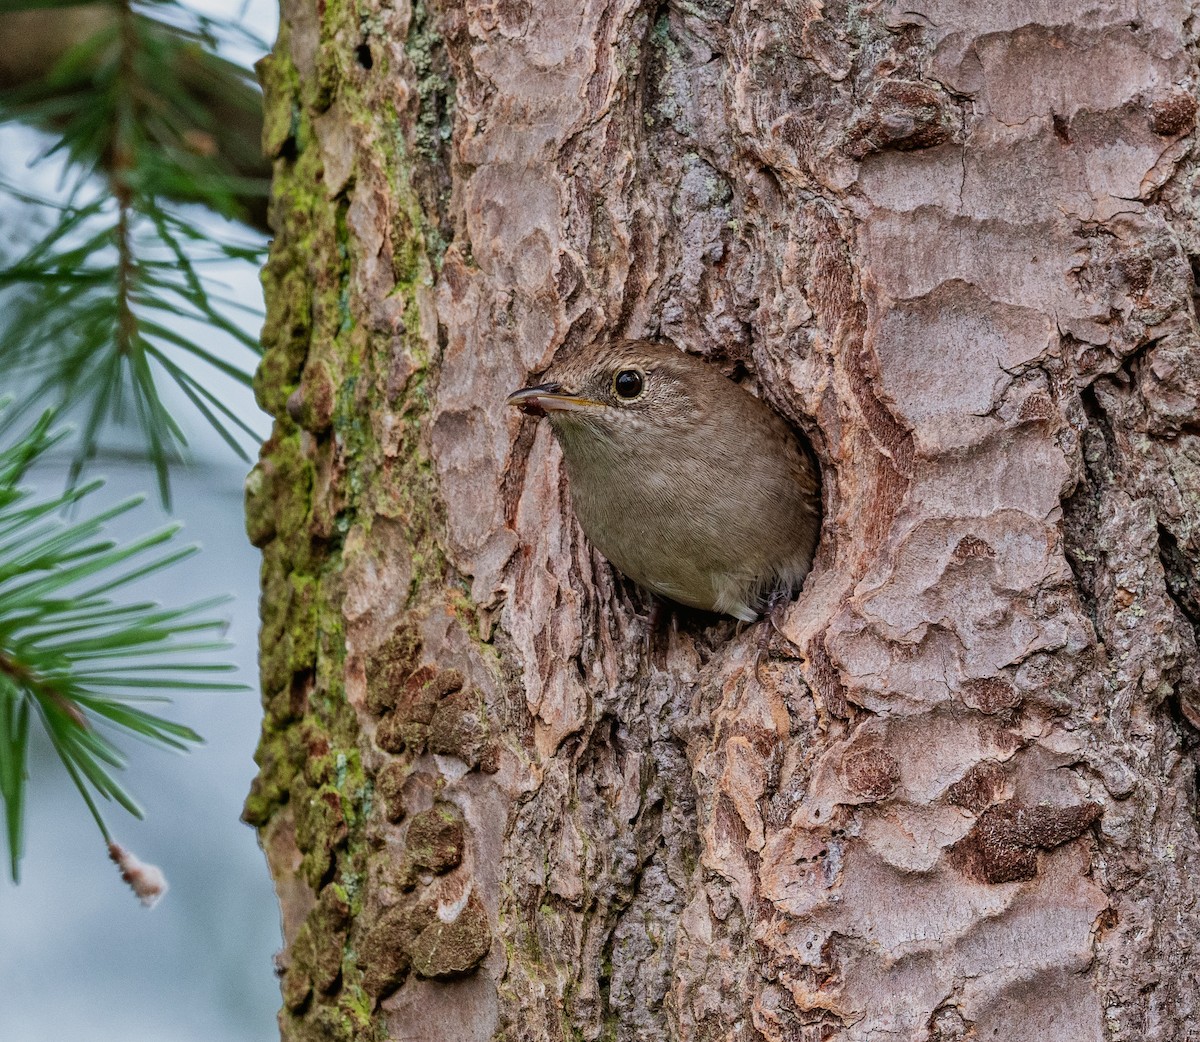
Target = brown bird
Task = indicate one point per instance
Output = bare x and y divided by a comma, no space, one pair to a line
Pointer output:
690,485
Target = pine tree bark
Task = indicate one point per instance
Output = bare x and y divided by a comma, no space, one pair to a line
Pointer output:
952,242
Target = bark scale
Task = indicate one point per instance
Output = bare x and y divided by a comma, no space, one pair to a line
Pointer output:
954,245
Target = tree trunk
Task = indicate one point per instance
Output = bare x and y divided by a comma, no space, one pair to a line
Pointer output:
948,240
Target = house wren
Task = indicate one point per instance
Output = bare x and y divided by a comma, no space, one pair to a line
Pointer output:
690,485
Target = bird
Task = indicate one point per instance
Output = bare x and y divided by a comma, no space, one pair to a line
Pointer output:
685,481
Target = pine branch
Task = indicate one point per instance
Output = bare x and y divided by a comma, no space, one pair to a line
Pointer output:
74,658
96,307
224,100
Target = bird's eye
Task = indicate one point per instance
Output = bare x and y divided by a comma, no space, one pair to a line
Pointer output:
628,383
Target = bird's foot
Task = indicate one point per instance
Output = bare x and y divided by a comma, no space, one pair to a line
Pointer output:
769,622
660,611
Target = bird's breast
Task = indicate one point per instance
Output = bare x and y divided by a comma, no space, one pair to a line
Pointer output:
696,524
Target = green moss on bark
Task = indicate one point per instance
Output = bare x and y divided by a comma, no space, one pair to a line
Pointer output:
327,373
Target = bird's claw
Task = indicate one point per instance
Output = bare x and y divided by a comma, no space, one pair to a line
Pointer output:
768,627
659,610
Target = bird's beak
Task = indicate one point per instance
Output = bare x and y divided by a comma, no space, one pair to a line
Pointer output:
544,398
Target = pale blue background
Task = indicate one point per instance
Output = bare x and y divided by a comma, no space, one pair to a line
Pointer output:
80,959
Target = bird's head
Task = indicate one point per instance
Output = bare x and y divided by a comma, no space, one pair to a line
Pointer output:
619,391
